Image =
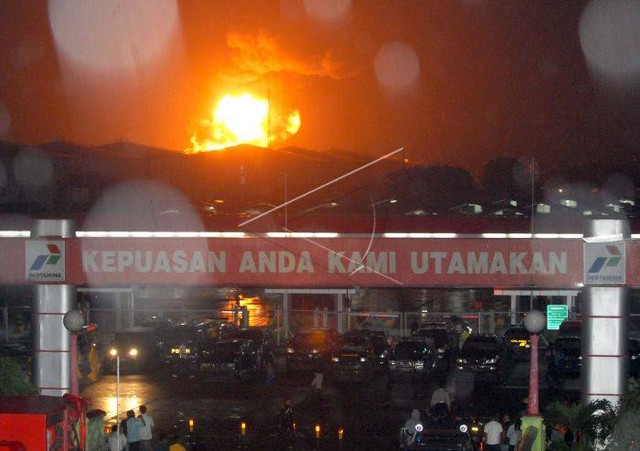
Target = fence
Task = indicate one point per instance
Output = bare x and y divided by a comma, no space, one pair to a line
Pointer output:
15,321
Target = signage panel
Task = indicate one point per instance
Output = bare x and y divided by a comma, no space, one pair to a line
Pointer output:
293,262
556,314
45,261
605,263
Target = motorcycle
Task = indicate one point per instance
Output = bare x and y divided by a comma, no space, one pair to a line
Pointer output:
412,438
474,429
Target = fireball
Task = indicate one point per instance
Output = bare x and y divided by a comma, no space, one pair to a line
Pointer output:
243,119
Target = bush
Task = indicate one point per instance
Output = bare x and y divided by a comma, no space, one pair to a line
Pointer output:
14,381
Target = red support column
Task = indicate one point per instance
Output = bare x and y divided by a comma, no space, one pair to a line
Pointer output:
533,409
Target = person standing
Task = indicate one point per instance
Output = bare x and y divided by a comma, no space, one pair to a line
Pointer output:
493,435
409,431
133,431
287,425
117,440
318,375
514,435
441,396
145,432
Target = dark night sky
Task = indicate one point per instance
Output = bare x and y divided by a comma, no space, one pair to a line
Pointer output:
453,81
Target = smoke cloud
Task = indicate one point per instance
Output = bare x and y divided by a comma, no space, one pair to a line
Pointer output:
258,55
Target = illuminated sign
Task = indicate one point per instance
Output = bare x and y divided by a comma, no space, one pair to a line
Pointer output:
556,314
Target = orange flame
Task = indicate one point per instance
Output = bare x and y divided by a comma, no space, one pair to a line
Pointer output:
243,119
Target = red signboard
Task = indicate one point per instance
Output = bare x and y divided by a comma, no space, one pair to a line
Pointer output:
314,262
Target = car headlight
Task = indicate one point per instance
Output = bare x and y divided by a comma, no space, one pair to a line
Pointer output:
634,357
290,350
133,352
113,352
363,359
335,359
392,363
461,360
315,351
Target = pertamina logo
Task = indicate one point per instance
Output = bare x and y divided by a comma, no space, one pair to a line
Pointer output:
610,261
45,261
605,263
52,258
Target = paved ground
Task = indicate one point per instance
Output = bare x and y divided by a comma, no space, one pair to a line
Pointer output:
370,413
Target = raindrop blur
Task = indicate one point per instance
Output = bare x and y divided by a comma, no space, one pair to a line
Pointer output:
33,168
609,36
5,121
327,9
145,206
115,35
397,66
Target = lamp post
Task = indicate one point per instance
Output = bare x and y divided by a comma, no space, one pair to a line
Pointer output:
74,322
532,424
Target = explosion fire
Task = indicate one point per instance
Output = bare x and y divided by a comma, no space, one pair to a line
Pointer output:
243,119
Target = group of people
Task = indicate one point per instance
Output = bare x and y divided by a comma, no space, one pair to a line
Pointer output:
502,435
135,433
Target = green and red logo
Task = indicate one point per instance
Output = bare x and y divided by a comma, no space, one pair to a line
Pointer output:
52,258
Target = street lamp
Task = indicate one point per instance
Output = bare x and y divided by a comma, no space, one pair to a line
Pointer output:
532,424
74,322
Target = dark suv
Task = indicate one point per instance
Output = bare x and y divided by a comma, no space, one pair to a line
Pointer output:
136,349
444,342
310,348
375,342
180,347
234,358
519,340
353,362
414,357
564,358
487,357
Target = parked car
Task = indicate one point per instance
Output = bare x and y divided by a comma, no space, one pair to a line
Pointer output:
570,328
234,358
180,346
353,362
445,344
216,329
519,340
564,358
310,348
487,357
377,342
414,357
136,349
261,338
